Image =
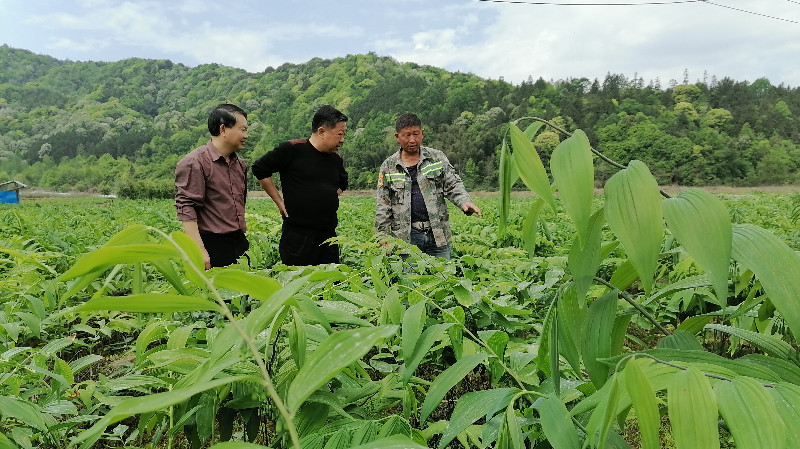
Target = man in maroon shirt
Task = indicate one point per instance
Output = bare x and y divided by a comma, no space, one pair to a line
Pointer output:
211,184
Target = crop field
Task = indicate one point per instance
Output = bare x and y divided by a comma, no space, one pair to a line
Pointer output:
109,337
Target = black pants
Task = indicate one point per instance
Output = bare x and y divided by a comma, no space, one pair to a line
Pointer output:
225,249
301,246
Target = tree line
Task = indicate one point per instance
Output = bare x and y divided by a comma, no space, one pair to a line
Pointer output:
120,127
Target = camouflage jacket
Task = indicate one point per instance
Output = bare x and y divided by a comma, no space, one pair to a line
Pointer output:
437,180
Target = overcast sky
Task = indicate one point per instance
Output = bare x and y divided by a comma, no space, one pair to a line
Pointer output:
490,39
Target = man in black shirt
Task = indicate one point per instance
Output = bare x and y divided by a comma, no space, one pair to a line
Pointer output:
312,177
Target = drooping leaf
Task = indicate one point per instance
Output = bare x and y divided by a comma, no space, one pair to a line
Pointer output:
771,344
787,401
643,398
426,341
150,403
254,285
702,225
508,176
750,414
771,259
413,323
597,337
573,173
446,380
557,423
634,213
108,256
332,356
473,406
529,227
692,411
529,166
584,257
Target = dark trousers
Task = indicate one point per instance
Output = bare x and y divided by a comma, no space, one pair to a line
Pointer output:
225,249
301,246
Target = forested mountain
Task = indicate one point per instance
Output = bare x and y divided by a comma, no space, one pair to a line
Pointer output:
121,127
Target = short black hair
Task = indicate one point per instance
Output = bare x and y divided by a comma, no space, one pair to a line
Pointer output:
223,115
406,120
327,116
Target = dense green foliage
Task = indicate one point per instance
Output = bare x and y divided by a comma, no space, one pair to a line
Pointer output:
454,342
120,127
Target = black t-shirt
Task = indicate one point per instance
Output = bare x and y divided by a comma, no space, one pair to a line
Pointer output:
309,180
418,210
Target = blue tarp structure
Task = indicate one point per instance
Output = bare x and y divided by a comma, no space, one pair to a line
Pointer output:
9,192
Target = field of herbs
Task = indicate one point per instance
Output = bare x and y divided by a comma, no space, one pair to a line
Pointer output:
565,319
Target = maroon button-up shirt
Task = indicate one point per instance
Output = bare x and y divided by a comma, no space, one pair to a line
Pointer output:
211,191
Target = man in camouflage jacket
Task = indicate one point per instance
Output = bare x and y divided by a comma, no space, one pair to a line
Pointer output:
412,186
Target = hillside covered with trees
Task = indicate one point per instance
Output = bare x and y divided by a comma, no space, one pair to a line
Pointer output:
120,127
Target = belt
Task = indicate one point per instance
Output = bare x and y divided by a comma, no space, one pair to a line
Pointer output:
421,225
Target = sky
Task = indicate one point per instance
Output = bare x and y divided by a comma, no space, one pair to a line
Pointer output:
500,39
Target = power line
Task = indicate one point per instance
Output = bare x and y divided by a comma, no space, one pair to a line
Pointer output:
674,2
753,12
521,2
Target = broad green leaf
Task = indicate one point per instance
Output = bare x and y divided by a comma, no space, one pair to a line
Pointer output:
681,340
692,411
633,211
771,259
413,322
154,330
529,227
107,256
6,443
254,285
333,355
702,225
192,251
151,303
750,414
644,402
80,364
508,176
426,341
257,320
597,337
623,276
392,442
557,423
446,380
392,309
584,258
150,403
394,425
571,318
206,414
298,342
771,344
529,166
512,428
786,370
339,440
23,411
787,400
497,342
474,406
573,174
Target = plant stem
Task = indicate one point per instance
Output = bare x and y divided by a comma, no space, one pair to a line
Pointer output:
599,154
273,393
627,297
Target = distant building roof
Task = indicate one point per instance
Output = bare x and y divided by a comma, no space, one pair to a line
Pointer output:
12,185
